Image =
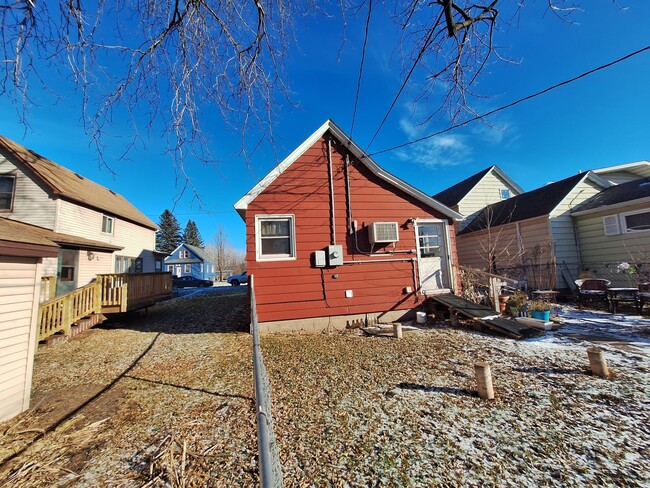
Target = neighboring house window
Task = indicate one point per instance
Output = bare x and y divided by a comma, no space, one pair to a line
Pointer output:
611,226
125,264
158,265
201,268
187,268
107,224
275,237
636,222
7,183
184,254
170,268
505,193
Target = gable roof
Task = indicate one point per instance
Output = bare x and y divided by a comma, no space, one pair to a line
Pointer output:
535,203
72,186
615,195
334,129
454,194
196,250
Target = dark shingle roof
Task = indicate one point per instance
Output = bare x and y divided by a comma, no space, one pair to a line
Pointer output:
525,206
454,194
14,231
625,192
72,186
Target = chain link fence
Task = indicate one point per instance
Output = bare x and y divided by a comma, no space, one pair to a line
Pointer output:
269,458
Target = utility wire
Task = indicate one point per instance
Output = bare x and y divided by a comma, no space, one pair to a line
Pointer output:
363,60
425,45
512,104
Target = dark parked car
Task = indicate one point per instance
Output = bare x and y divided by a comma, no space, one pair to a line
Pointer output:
190,281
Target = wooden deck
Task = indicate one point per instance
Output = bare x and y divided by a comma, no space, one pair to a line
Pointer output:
110,293
486,316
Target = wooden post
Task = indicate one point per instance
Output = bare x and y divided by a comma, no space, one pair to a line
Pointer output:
484,380
453,318
397,329
597,362
495,291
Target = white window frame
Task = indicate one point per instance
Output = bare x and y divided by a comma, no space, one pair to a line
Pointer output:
292,256
611,225
625,229
504,193
170,268
187,268
108,218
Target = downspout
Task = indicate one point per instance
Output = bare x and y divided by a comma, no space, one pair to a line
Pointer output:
330,174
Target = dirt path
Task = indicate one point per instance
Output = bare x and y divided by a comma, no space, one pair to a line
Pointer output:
156,399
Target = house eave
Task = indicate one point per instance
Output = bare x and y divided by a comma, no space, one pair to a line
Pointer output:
615,206
242,204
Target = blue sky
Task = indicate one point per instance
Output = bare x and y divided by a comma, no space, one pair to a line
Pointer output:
598,121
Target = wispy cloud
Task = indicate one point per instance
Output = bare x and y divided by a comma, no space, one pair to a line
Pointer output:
443,150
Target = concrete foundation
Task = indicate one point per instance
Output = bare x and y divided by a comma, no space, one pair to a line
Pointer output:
318,324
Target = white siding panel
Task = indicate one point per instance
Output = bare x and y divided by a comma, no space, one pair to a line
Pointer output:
17,331
136,240
102,262
486,192
32,203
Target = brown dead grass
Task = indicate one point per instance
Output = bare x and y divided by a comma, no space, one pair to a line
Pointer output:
159,400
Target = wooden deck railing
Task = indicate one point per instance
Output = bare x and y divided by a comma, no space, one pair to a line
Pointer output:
58,314
48,288
109,293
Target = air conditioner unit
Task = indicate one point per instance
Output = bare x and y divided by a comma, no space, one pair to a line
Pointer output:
383,232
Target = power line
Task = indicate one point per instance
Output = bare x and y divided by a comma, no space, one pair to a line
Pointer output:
425,45
512,104
363,60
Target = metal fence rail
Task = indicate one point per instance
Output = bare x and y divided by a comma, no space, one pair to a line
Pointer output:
269,458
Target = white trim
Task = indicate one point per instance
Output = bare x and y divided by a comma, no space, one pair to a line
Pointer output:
626,167
614,206
447,248
292,238
112,220
500,174
329,125
612,223
589,175
625,229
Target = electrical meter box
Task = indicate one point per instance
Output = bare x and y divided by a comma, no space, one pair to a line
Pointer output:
335,255
319,259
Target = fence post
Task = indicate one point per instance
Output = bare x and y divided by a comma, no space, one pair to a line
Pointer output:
484,380
597,362
397,330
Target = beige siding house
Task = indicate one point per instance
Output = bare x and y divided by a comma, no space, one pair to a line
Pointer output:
614,233
531,236
99,230
22,251
623,173
473,194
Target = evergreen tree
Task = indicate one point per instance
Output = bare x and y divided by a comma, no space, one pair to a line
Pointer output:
168,237
192,236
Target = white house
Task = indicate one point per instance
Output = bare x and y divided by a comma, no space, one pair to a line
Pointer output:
99,231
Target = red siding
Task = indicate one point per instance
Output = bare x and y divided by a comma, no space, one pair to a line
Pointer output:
294,289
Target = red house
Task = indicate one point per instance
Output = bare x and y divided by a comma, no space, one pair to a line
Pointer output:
331,237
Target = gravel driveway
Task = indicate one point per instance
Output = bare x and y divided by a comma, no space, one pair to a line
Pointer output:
166,400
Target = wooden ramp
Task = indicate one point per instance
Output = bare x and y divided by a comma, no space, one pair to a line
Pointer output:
486,316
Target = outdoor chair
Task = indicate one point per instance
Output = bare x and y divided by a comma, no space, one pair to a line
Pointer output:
592,289
644,295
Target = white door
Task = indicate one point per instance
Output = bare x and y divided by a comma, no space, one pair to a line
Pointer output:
433,257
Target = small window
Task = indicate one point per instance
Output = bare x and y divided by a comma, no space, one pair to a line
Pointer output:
7,183
170,268
636,222
275,237
187,268
107,224
611,226
184,254
505,193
